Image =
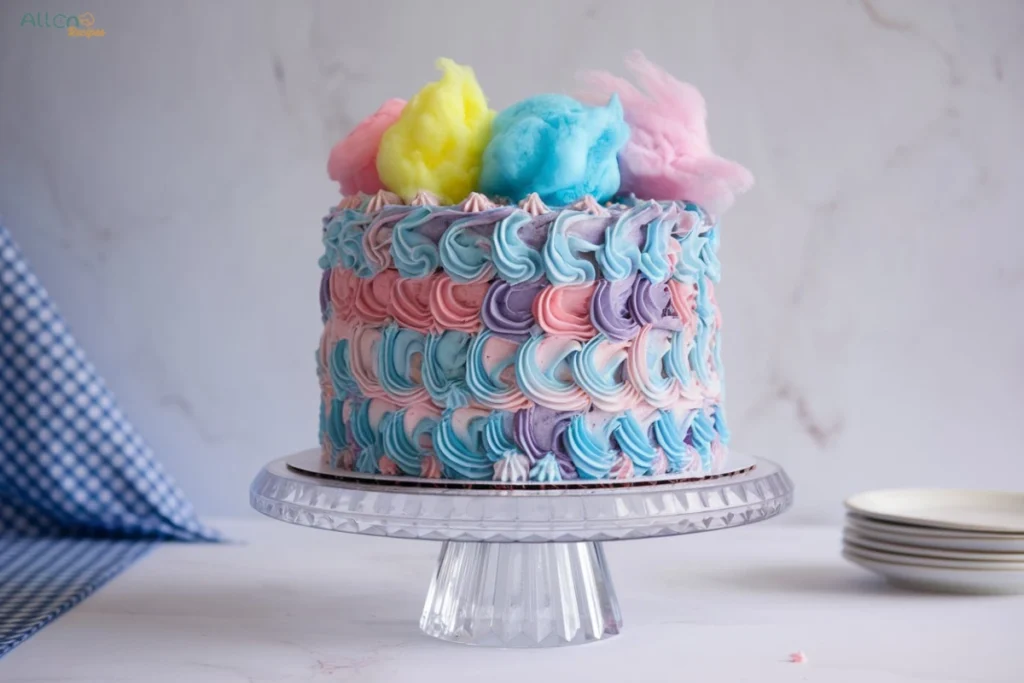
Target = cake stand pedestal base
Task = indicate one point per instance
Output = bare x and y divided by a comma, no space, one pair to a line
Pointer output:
522,565
521,595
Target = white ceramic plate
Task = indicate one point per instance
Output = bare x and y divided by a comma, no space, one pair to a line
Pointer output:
988,511
934,538
911,529
940,579
920,561
867,540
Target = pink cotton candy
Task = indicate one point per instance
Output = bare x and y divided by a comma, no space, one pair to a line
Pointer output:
353,161
668,155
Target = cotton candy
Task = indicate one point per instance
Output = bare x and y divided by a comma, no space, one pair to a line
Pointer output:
557,147
353,161
437,142
668,155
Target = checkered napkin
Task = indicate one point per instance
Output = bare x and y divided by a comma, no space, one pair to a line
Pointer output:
81,495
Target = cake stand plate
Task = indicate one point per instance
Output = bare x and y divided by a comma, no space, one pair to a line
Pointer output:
519,566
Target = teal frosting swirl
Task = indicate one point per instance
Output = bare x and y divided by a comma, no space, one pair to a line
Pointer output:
498,435
444,368
592,454
546,469
398,348
546,387
514,259
414,254
690,266
465,252
563,251
366,438
465,457
654,263
329,239
350,243
600,383
702,342
633,441
677,360
620,256
488,387
404,449
340,363
702,435
336,431
720,424
709,255
671,436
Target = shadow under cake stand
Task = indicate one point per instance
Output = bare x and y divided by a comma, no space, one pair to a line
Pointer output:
521,565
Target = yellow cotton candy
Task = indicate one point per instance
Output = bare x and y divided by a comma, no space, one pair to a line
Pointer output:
438,142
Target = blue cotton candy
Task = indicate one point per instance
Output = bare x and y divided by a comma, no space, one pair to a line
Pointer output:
557,147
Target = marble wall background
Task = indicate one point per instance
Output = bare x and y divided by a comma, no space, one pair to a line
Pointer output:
167,182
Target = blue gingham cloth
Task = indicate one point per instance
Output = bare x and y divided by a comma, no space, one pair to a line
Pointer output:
81,495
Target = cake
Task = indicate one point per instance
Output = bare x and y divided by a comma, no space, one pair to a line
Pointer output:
526,295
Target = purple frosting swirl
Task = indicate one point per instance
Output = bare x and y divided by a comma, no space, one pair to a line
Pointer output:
610,310
651,304
507,309
539,431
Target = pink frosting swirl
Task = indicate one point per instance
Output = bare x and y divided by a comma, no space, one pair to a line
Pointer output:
410,303
388,466
684,300
645,365
565,310
364,361
371,304
344,291
457,306
430,467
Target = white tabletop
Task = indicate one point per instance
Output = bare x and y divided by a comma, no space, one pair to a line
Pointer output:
294,604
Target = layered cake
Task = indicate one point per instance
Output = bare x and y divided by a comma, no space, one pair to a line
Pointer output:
526,295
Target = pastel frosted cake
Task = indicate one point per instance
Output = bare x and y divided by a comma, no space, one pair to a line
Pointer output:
526,295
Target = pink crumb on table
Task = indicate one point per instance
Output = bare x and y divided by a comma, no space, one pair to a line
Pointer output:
798,658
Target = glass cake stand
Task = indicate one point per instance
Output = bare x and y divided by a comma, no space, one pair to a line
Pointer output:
521,565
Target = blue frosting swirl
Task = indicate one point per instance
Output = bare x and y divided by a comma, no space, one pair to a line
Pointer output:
620,255
709,254
592,454
396,352
366,438
414,254
563,252
677,359
405,451
350,243
654,263
514,259
465,457
498,435
671,436
444,368
340,363
702,435
546,469
488,387
632,439
690,266
336,430
465,252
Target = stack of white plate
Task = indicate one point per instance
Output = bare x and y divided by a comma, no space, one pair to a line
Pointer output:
933,539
